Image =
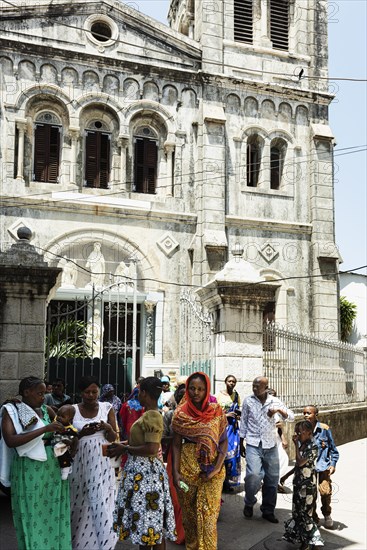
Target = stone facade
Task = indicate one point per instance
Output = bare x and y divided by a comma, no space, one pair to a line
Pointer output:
217,111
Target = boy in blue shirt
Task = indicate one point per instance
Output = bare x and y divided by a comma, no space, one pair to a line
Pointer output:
327,458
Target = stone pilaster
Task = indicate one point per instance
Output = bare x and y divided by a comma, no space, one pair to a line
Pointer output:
324,253
149,327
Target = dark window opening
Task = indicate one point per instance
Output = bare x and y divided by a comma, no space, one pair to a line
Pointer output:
253,163
146,159
16,146
46,153
97,160
275,167
101,31
279,24
243,21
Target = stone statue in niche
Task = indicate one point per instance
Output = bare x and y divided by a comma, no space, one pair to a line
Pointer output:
69,273
122,272
97,266
94,335
126,272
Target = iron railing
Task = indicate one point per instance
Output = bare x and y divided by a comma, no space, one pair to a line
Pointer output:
97,333
307,370
196,336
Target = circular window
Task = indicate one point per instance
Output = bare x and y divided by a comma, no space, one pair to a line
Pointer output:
101,31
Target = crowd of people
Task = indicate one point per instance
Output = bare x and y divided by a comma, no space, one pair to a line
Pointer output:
179,449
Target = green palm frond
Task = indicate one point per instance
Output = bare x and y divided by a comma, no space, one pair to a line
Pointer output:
67,339
348,312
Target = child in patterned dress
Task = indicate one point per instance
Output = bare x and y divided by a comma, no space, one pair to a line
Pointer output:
302,527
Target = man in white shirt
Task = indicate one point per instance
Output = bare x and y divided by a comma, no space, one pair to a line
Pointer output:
262,460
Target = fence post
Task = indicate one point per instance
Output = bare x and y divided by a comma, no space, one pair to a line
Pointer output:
26,281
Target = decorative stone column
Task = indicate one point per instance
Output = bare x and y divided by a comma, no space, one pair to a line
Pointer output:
149,327
237,297
168,187
123,143
21,127
26,281
74,134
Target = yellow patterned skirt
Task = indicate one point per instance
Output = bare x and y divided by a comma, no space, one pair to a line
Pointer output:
201,504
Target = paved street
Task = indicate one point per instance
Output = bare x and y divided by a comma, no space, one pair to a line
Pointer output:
237,533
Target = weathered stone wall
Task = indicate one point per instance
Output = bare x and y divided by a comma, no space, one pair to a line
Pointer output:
25,285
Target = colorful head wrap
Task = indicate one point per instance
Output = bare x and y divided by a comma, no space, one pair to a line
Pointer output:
114,400
205,427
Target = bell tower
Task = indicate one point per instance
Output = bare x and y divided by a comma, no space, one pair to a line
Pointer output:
269,40
266,148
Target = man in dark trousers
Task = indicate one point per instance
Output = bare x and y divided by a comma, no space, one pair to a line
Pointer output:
262,461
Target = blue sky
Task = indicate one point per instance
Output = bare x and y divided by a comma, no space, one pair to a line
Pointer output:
347,59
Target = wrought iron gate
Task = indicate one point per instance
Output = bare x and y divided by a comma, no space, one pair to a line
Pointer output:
96,333
196,336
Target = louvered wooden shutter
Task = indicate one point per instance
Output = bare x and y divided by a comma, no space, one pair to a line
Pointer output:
46,153
139,166
54,156
146,155
151,166
243,21
104,167
279,24
40,152
97,159
91,160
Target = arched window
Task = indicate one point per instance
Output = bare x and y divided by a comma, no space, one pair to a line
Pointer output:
46,162
145,160
278,149
253,164
97,155
279,24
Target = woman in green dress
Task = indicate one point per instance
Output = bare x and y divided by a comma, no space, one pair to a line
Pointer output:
37,490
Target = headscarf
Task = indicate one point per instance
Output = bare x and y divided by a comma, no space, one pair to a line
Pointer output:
114,400
133,401
205,427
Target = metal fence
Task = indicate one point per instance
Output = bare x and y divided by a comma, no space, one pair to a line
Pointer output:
303,369
196,336
96,332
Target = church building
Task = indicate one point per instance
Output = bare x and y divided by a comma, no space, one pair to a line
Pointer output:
148,159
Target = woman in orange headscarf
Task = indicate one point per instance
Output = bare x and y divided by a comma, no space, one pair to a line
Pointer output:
200,446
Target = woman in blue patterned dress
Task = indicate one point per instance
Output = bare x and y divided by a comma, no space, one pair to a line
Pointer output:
229,400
